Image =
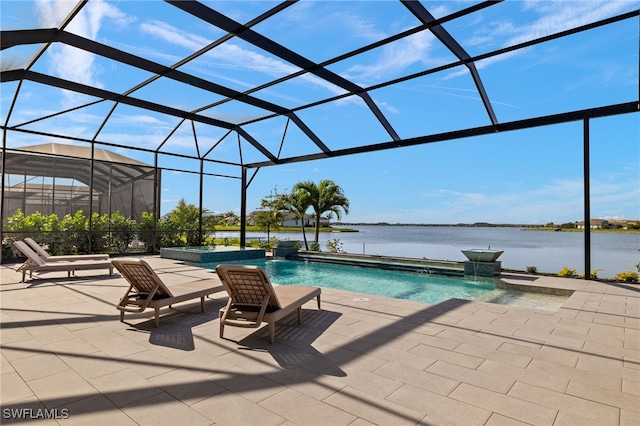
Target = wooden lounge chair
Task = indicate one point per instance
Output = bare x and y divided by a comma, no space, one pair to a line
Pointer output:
35,263
146,289
49,258
253,300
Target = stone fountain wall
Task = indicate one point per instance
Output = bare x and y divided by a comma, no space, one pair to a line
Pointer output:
482,269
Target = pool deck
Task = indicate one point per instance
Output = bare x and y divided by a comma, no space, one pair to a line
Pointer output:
361,360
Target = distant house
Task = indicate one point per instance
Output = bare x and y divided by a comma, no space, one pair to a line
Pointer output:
309,221
227,220
619,224
608,224
594,224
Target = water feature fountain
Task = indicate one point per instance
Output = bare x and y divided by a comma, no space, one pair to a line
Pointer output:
482,262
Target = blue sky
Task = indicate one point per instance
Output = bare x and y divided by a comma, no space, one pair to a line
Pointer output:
530,176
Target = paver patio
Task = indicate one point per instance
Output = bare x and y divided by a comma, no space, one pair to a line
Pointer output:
360,360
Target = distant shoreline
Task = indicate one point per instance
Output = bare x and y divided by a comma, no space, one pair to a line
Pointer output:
488,225
477,225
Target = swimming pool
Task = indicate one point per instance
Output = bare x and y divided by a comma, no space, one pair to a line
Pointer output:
425,288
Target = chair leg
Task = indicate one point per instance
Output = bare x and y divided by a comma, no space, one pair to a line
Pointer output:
318,301
202,304
222,315
156,321
121,316
300,315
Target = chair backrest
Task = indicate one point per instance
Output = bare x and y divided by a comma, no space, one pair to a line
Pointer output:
141,276
31,255
37,247
248,285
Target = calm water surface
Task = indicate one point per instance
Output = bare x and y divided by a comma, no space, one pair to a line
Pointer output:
611,252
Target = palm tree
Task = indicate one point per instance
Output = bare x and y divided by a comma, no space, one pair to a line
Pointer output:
298,202
324,197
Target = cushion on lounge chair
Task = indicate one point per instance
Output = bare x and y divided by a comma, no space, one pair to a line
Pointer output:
146,289
254,300
49,258
35,263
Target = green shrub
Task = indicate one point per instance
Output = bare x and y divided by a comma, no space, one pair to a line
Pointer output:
567,273
75,230
123,230
627,277
100,240
145,232
532,269
335,246
315,246
252,243
44,229
594,274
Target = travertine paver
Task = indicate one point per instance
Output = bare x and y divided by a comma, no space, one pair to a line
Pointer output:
232,408
525,375
440,409
509,406
304,410
362,360
61,389
581,407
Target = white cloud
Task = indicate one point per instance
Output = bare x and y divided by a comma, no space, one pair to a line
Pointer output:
68,62
394,57
549,17
561,15
230,55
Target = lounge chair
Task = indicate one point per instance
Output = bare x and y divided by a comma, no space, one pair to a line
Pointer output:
49,258
146,289
253,300
35,263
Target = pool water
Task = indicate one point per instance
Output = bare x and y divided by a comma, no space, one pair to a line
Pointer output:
425,288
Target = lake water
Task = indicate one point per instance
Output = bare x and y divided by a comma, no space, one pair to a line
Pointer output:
611,252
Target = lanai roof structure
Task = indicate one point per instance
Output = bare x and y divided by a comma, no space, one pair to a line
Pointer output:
224,89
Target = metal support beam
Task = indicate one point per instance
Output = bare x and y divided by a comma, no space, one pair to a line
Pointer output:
201,202
243,208
225,23
72,86
587,200
420,12
156,205
91,168
573,116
